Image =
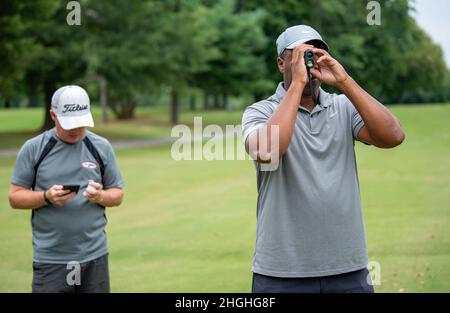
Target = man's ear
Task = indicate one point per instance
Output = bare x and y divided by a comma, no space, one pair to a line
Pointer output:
52,115
281,64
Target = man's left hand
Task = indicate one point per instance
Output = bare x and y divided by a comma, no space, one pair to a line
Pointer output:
93,192
329,70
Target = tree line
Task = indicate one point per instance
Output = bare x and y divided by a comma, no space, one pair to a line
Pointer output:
125,51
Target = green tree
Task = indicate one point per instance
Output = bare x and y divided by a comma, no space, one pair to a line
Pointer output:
139,46
58,58
123,49
239,67
395,61
17,19
189,47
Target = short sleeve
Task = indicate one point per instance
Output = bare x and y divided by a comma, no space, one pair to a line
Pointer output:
254,116
23,173
112,177
356,121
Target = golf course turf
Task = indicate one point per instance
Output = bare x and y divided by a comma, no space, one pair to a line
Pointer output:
189,226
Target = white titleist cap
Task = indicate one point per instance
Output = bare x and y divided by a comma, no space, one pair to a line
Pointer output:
72,108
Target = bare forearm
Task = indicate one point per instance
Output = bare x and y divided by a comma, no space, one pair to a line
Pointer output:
260,144
381,124
285,116
26,199
111,197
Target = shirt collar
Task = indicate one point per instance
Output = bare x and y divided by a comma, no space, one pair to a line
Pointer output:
323,96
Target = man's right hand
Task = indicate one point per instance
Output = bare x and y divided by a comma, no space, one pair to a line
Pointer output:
298,67
57,195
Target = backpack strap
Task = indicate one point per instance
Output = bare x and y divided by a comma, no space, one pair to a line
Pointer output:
90,146
48,147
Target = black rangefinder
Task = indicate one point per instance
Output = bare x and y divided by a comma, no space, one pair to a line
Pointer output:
309,59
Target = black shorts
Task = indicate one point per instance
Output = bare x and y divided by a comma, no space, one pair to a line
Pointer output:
57,278
357,281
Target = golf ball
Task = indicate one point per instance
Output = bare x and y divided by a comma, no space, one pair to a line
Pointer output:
90,189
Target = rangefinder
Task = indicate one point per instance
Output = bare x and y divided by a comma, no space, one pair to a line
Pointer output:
309,59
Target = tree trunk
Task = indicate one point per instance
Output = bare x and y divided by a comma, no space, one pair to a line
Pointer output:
224,101
174,108
205,101
128,110
216,101
123,109
104,98
8,103
239,6
49,88
33,100
192,103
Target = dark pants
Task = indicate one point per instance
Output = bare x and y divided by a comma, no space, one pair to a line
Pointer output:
57,278
349,282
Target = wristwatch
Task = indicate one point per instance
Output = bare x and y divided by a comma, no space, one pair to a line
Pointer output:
45,197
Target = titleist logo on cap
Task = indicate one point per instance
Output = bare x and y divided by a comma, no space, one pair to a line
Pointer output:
74,107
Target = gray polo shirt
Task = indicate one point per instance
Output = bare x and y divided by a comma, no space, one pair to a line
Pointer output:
74,231
309,216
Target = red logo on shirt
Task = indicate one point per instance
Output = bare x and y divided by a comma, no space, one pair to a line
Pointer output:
88,164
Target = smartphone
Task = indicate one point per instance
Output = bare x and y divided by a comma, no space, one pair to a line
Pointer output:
72,188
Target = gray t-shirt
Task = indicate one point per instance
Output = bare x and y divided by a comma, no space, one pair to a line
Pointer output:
75,230
309,216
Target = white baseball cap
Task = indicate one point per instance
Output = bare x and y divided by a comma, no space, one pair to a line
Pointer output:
72,107
297,35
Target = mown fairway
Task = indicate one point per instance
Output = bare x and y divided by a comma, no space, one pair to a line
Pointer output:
189,225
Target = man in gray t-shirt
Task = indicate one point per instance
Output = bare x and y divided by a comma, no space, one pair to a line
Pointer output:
67,176
310,233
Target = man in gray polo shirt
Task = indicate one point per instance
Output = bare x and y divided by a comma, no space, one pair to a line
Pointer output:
310,233
67,176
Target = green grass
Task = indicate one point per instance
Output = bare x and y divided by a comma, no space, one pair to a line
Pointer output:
17,125
189,225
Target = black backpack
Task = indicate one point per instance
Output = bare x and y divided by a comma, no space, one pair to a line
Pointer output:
51,143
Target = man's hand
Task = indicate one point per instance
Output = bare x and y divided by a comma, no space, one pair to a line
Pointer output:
298,67
93,192
381,128
56,195
330,71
